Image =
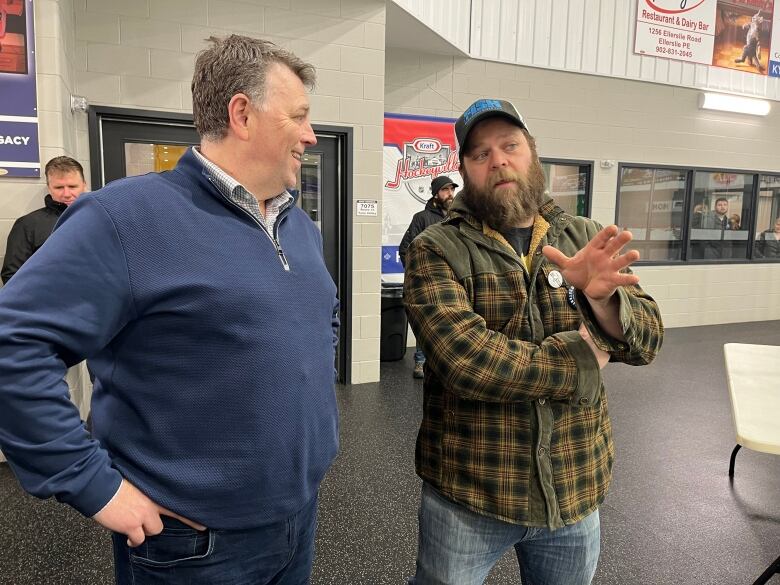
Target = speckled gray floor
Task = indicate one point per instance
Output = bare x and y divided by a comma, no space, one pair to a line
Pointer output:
671,516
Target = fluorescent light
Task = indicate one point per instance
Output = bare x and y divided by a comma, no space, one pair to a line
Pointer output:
734,103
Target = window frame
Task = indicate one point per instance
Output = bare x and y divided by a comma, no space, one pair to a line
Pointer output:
690,172
576,162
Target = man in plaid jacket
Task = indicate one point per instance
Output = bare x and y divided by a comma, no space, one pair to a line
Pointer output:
518,307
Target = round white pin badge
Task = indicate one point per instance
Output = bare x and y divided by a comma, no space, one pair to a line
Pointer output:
555,279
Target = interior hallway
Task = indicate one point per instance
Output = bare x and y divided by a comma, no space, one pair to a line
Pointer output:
671,516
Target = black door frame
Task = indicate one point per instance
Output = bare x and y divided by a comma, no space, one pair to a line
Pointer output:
95,116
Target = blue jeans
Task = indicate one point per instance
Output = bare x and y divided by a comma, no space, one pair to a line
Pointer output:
273,554
419,356
459,547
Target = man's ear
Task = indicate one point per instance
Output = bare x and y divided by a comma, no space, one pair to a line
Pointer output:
238,115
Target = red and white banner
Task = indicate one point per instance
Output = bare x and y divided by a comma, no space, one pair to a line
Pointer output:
676,29
417,149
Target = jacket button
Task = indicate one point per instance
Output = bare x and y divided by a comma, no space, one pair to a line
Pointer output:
541,451
584,400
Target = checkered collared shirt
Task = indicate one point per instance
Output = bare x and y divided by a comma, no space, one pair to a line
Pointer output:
238,194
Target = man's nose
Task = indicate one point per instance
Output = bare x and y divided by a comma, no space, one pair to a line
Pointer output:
309,138
498,159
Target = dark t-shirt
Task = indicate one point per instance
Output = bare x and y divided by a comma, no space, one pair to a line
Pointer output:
520,238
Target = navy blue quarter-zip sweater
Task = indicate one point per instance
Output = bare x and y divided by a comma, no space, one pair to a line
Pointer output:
214,390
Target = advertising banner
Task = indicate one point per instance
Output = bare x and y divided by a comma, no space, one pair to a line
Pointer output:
417,149
19,152
676,29
735,34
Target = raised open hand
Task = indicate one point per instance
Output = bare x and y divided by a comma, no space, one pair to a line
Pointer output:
595,269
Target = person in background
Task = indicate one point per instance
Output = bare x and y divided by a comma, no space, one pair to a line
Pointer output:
718,218
714,243
442,194
518,307
214,414
769,242
65,182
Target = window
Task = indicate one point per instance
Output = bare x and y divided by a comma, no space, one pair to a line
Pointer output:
699,215
720,201
767,240
651,203
568,183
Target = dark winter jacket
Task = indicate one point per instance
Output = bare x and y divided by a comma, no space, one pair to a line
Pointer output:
28,234
768,246
422,219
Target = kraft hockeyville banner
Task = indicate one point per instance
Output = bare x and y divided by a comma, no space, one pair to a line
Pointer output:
737,34
19,152
417,149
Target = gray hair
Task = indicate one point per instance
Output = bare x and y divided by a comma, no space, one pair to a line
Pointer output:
231,65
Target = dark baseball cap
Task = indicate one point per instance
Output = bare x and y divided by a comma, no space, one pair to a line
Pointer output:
478,111
440,182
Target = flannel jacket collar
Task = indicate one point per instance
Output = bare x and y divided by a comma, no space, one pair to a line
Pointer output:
548,225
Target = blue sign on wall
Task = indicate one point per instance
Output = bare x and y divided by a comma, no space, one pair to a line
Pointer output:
774,67
391,260
19,152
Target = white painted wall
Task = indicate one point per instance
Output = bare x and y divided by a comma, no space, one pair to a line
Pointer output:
449,18
595,118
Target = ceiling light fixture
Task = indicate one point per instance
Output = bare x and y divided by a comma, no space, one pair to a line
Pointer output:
734,103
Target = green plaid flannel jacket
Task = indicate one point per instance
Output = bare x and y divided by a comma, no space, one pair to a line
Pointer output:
515,423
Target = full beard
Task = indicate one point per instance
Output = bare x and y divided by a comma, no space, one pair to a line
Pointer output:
443,204
509,206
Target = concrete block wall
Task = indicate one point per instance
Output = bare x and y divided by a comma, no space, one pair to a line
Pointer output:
597,118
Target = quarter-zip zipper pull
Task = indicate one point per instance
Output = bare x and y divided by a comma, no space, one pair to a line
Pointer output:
282,257
261,225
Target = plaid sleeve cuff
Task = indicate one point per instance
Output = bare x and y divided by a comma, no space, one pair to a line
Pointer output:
619,350
588,372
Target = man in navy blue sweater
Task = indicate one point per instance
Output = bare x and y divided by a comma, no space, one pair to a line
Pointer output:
202,301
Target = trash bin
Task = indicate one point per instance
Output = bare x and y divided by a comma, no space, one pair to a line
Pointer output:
392,345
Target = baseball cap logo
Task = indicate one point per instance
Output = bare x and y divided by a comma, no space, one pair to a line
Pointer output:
480,106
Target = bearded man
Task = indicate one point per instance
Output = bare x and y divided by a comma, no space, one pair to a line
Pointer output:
518,306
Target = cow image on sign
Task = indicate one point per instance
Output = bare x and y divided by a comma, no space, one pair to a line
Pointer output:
752,50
